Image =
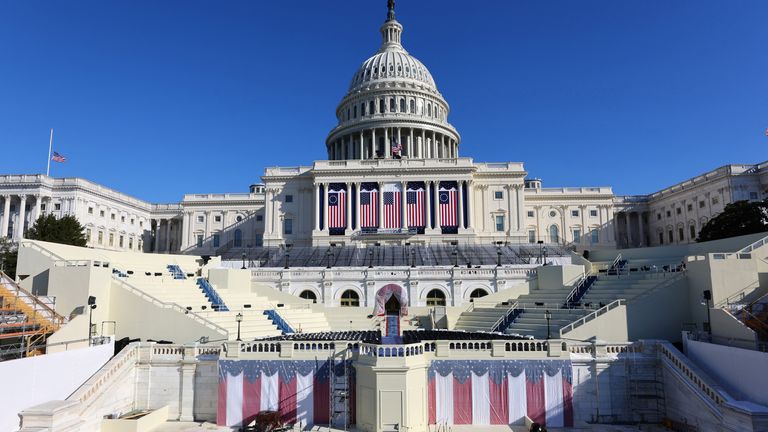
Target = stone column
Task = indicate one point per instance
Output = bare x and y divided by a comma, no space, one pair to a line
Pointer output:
564,230
428,196
6,216
357,206
37,208
519,206
22,216
582,211
374,144
361,146
461,204
187,402
348,197
381,204
387,145
168,224
316,201
412,150
639,227
404,206
470,204
325,207
424,148
185,231
509,189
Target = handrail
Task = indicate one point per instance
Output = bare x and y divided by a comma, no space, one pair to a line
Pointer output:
728,301
576,287
279,321
34,245
589,317
615,261
174,306
497,326
54,317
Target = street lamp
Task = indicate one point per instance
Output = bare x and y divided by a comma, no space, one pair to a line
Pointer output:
455,254
548,316
287,257
239,319
498,254
544,250
370,255
243,268
91,307
413,257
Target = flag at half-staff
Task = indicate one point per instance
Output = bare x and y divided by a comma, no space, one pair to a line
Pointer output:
58,157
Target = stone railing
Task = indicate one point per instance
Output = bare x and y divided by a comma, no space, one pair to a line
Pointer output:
591,316
432,273
713,395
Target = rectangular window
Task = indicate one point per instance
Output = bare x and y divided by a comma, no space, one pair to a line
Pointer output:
288,226
112,216
141,223
216,240
679,210
42,207
577,236
201,219
669,213
101,237
217,218
670,237
575,213
56,206
595,236
90,210
120,241
531,236
259,218
681,234
690,207
498,195
122,219
530,213
658,216
130,243
661,238
132,221
111,239
693,231
88,235
702,204
199,240
101,213
593,213
715,200
289,198
499,223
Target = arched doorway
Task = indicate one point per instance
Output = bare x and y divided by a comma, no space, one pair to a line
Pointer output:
435,297
309,295
238,238
554,234
392,306
350,298
477,293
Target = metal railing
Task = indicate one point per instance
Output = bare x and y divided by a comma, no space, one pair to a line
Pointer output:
763,241
507,318
591,316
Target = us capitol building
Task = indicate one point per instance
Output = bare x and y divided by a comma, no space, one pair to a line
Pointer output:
394,175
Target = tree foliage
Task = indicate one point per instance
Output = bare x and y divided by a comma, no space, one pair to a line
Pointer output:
66,230
738,218
8,257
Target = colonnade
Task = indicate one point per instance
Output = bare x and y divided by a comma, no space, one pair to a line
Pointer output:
416,143
431,207
23,200
166,230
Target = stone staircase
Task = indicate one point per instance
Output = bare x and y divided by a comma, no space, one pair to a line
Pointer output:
304,320
480,318
533,322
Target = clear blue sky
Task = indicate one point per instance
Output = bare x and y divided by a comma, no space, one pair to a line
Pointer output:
161,98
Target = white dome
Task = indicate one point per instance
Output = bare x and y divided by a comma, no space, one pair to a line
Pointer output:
392,64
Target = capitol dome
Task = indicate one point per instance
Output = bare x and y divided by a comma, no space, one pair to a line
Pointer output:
392,107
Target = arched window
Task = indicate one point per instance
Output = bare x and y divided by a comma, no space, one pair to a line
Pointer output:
371,107
362,109
435,298
413,106
554,234
429,110
392,105
382,106
308,295
477,293
350,298
402,105
238,238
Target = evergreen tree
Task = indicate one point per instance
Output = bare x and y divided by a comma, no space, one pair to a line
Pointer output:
737,219
66,230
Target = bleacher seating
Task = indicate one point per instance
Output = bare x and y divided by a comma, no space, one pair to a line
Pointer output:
391,255
416,336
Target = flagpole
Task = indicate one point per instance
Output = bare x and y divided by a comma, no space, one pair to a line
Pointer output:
50,147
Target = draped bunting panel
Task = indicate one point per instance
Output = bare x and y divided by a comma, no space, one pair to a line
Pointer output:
482,392
388,291
297,389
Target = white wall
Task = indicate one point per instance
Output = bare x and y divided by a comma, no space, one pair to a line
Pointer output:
33,380
742,372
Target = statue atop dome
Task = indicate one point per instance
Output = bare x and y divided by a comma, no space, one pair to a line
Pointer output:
390,10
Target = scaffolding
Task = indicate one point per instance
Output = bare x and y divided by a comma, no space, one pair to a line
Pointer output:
339,391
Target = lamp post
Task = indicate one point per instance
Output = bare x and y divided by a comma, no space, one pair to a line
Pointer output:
498,255
243,268
370,255
328,256
541,245
413,257
239,319
91,307
287,257
455,254
544,250
548,316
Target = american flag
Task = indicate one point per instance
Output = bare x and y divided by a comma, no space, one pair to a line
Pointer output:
58,157
396,147
392,209
448,206
369,207
337,209
415,206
